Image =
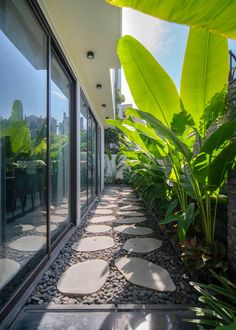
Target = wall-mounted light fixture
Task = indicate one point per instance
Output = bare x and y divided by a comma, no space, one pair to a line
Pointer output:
99,86
107,117
90,55
104,105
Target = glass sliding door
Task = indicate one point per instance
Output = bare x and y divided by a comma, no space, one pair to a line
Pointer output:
90,169
90,155
99,158
83,153
59,147
23,144
94,158
36,100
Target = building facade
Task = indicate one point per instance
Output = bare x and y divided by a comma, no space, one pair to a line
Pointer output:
55,93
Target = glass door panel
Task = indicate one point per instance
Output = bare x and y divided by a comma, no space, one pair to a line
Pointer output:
83,153
59,147
23,144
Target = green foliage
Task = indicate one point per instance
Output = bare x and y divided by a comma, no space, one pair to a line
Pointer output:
118,163
220,302
169,130
111,139
205,72
214,15
199,258
151,83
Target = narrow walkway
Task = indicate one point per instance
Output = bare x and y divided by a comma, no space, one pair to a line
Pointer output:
117,256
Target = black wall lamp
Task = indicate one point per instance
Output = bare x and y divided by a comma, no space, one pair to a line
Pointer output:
90,55
99,86
104,105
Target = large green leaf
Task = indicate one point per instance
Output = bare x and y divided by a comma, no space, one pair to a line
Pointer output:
162,131
219,167
214,15
152,89
218,137
205,71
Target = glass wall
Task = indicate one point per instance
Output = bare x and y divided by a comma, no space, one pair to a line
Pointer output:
59,147
83,153
90,155
23,110
26,193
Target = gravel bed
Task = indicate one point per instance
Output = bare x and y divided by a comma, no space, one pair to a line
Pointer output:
117,290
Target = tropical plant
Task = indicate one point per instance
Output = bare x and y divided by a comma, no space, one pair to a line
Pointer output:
219,311
114,167
196,163
214,15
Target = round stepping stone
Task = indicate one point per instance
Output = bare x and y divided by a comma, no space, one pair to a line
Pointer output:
98,229
84,278
133,230
103,219
28,243
95,243
102,212
131,220
24,227
61,212
106,206
142,245
43,228
130,208
130,214
8,269
57,219
109,199
144,273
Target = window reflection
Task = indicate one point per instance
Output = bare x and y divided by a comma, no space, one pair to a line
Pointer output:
90,155
59,148
23,144
83,153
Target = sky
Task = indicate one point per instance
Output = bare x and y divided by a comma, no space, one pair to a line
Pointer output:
166,41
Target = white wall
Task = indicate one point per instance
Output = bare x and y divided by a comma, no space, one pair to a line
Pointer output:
108,164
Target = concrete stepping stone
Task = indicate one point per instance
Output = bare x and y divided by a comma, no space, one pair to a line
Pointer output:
130,214
144,273
61,212
109,199
57,219
130,208
102,211
105,218
84,278
24,228
43,228
130,220
106,206
133,230
28,243
142,245
97,229
8,269
94,243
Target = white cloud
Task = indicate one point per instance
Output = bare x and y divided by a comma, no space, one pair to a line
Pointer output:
153,33
60,95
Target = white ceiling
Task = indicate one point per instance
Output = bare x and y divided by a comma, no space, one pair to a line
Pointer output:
82,25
